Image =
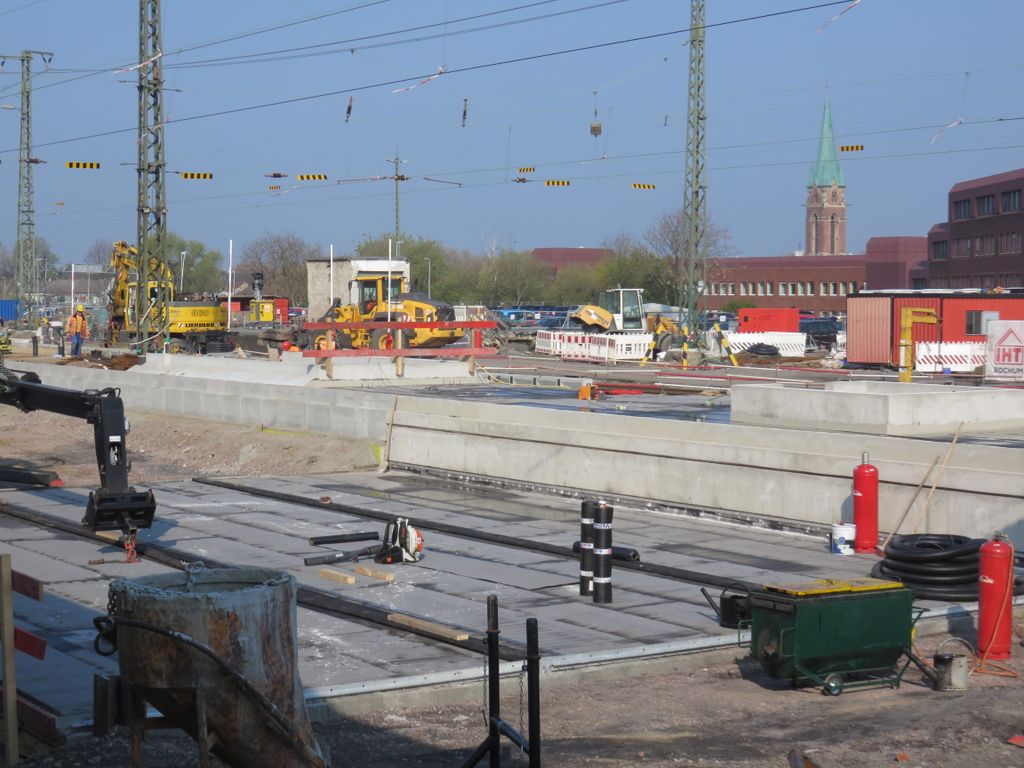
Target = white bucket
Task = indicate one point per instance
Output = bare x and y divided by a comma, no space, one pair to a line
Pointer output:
840,541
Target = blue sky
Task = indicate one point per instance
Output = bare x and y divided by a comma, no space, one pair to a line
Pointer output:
895,70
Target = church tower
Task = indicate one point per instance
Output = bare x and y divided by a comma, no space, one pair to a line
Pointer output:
826,197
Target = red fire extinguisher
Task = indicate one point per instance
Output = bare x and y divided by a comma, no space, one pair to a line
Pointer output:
995,598
865,505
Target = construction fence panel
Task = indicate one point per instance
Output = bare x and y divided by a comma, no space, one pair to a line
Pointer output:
841,343
952,356
789,344
545,342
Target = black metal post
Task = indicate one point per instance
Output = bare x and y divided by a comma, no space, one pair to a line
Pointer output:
587,508
493,682
533,690
603,553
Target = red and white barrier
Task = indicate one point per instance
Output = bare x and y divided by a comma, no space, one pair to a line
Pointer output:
955,356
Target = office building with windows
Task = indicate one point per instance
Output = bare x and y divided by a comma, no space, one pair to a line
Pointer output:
981,245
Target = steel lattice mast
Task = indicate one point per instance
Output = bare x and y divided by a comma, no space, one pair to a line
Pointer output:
694,200
152,224
27,271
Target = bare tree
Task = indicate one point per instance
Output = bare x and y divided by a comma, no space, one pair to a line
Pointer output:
282,260
680,278
99,252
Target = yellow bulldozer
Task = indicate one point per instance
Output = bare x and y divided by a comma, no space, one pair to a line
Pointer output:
621,310
383,298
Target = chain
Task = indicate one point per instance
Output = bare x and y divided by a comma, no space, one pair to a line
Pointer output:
131,555
522,675
111,601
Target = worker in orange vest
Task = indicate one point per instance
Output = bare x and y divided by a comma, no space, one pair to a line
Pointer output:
77,330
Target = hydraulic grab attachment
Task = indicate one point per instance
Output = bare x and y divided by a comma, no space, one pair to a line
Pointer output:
115,505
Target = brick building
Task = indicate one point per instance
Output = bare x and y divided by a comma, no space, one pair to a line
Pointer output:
560,258
825,224
981,244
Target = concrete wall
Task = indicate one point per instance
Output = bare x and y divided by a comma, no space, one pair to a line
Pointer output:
882,408
784,473
349,412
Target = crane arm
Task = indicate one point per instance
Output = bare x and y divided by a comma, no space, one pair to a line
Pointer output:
115,505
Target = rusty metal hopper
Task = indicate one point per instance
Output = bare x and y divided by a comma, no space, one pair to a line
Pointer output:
249,703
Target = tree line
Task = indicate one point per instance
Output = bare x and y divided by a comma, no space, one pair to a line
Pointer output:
497,276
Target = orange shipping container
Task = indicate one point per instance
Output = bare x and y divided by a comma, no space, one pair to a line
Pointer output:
868,329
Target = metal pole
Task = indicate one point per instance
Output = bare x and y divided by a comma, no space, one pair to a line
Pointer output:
428,277
533,690
493,682
72,289
231,264
694,201
387,288
181,275
332,276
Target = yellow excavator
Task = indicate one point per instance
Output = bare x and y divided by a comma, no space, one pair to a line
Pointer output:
196,321
382,299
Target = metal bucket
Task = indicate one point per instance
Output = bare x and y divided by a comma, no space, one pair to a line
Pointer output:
246,616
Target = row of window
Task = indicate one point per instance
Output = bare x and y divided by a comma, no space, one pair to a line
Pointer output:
1009,243
1005,279
986,205
801,288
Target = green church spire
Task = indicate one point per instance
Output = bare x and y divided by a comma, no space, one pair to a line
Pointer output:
826,170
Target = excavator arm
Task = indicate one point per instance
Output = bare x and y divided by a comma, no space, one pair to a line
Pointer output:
115,505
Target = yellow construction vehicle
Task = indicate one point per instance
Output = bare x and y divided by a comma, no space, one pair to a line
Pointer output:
194,321
621,310
386,299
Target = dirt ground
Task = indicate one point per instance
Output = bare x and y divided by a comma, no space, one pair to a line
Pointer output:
729,715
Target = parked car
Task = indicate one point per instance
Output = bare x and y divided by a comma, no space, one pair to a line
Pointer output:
821,332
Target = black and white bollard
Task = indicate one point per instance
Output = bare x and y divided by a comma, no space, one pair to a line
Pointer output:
587,508
603,553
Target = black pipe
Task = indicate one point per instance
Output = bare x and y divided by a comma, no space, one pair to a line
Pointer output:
340,557
493,682
587,507
533,690
341,538
508,730
623,554
603,553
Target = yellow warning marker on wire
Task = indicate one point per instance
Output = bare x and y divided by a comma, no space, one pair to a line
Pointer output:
556,183
195,174
89,166
642,186
59,203
273,187
527,169
851,148
312,177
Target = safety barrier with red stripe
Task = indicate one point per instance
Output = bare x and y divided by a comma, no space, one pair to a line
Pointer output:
954,356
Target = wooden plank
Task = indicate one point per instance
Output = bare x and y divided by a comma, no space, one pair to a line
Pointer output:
10,697
33,645
429,627
26,585
373,573
335,575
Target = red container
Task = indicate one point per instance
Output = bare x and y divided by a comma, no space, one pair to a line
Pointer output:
995,599
865,506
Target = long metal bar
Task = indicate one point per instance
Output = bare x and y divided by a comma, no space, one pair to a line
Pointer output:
10,692
681,574
533,690
374,324
493,682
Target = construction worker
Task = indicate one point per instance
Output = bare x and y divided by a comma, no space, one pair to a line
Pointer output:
77,330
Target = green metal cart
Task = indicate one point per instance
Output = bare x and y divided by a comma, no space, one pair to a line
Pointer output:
826,631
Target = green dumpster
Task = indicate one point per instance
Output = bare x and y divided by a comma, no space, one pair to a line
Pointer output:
826,631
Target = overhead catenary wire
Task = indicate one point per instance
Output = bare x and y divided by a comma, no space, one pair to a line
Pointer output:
455,70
